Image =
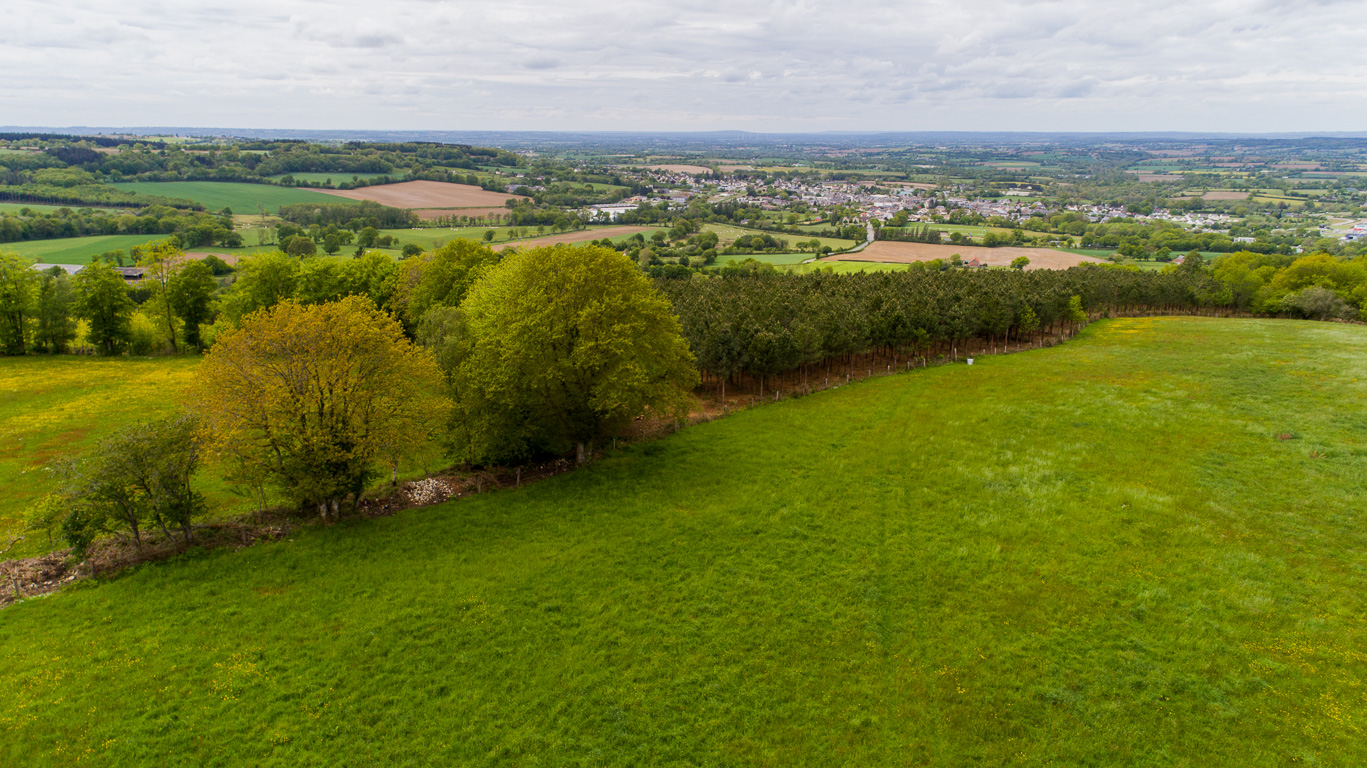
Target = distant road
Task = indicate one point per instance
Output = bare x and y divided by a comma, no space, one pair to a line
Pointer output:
868,239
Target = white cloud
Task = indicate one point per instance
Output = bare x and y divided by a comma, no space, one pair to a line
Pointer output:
686,65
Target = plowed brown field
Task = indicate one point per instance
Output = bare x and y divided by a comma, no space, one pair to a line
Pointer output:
424,194
906,253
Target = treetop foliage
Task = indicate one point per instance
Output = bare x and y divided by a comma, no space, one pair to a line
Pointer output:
555,347
317,398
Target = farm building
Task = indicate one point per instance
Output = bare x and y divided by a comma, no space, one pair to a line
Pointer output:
70,269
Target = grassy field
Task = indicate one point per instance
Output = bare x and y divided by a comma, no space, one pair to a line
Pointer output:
336,178
1096,554
52,406
15,208
242,198
77,250
777,259
432,237
844,267
727,233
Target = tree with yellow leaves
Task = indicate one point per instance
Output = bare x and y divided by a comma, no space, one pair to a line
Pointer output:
317,398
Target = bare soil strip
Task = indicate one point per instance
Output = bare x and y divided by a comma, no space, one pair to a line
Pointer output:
905,253
424,194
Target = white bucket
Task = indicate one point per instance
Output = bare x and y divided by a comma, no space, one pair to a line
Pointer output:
970,361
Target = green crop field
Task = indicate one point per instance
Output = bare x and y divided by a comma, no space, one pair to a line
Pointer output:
727,233
777,259
76,250
844,267
1095,554
432,237
241,198
318,178
15,208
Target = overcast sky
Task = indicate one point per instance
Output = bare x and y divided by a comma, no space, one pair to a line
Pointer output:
1198,65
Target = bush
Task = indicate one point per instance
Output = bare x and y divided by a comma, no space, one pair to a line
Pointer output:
1318,303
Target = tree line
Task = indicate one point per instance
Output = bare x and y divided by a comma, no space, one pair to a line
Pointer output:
193,228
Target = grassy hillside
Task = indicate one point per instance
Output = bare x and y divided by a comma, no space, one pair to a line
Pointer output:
242,198
1096,554
64,404
77,250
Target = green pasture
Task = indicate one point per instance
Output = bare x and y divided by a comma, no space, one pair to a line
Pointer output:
777,259
433,237
318,178
15,208
1291,202
728,233
844,267
62,405
971,230
240,197
77,250
1096,554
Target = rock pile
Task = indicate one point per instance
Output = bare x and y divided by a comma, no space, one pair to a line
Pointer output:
433,490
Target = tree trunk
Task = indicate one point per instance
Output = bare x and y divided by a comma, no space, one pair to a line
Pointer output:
579,453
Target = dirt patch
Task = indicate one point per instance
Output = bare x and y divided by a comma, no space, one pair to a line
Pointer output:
34,576
906,253
1224,195
730,168
573,237
428,214
425,194
691,170
228,258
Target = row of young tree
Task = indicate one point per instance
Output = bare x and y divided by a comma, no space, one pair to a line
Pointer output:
769,324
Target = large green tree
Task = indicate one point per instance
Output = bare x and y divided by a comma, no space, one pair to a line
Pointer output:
263,280
556,347
190,294
104,303
316,398
56,301
18,297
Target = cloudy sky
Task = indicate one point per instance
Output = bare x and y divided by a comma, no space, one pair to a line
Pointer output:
803,65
